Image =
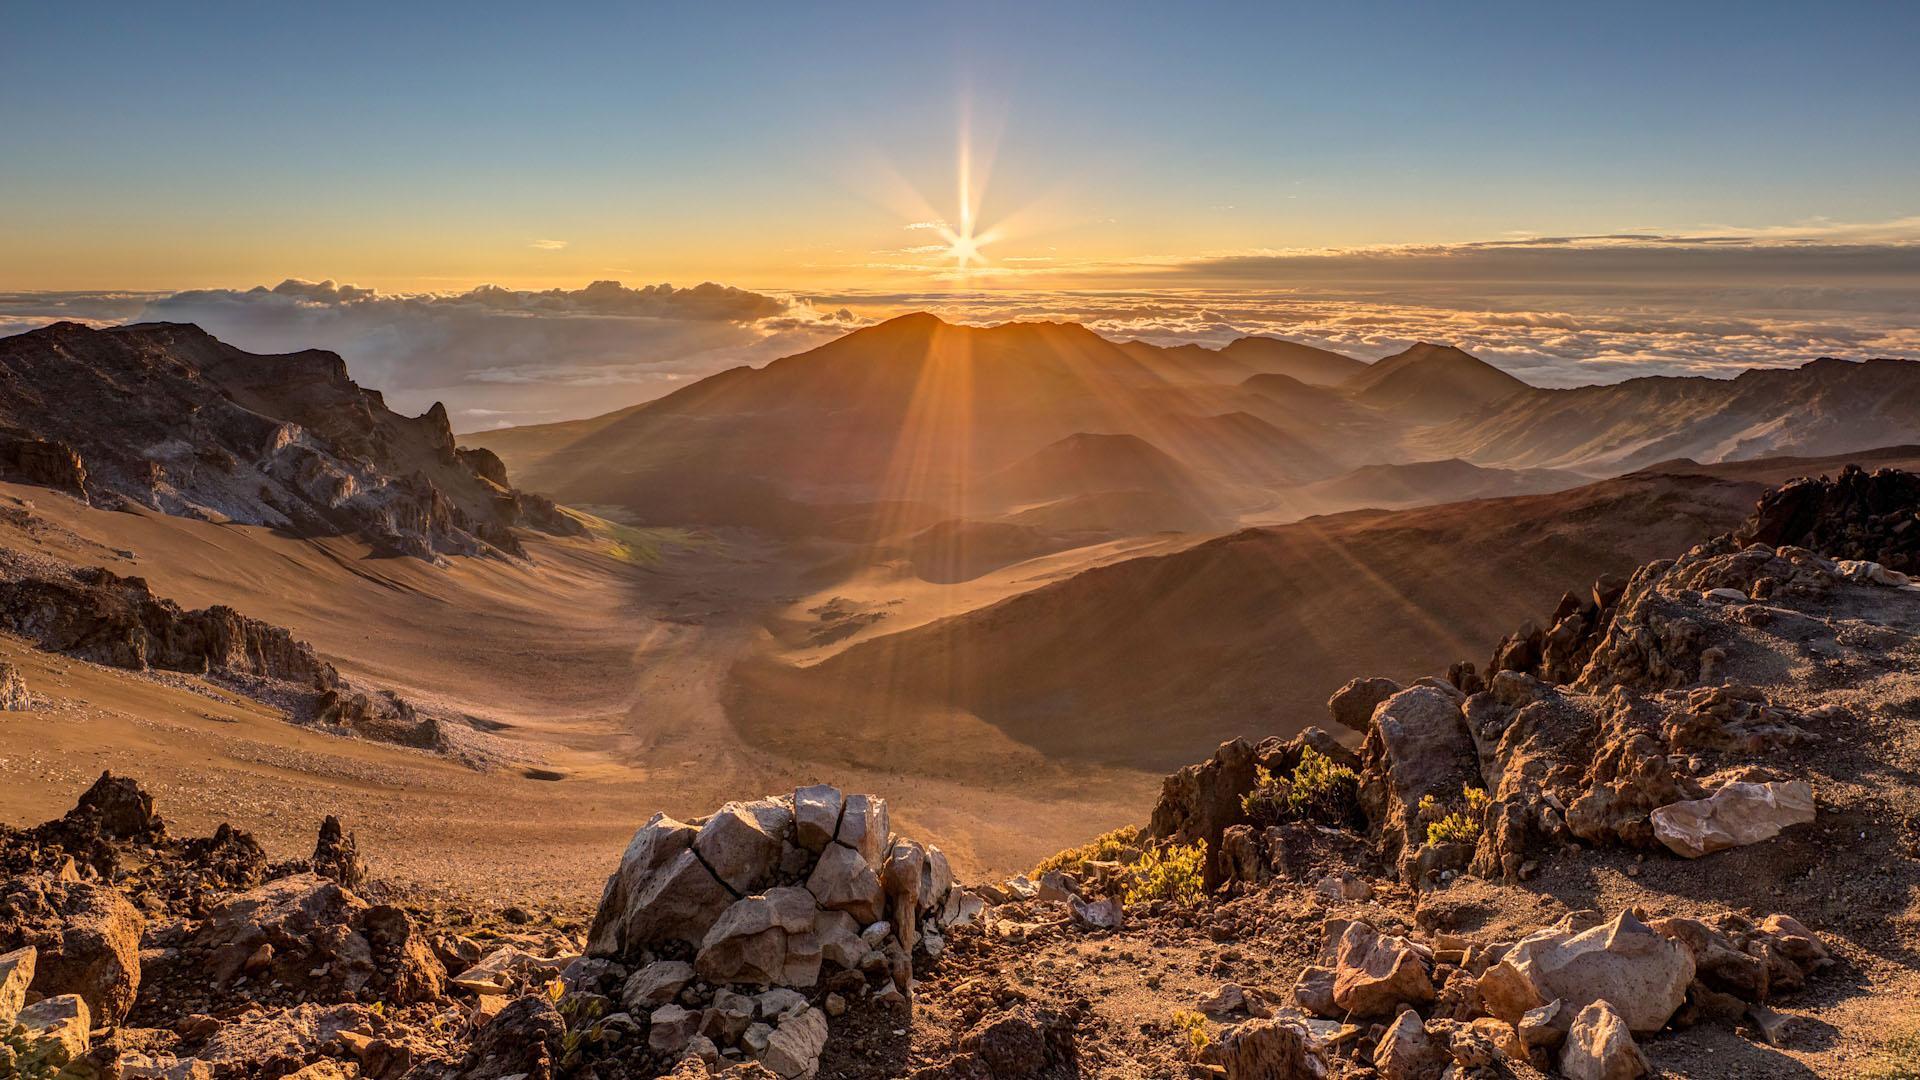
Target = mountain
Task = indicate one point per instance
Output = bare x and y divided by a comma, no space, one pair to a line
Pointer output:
1246,357
912,412
165,416
1424,482
1432,383
1310,365
1250,632
1820,408
1085,464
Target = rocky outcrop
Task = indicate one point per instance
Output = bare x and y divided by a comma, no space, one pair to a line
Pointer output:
809,892
1858,515
96,615
166,416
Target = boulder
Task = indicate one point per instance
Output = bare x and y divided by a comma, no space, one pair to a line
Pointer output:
16,974
1267,1050
843,880
1418,745
749,942
1020,1043
1198,803
816,815
1106,914
523,1040
655,984
793,1049
1374,974
62,1021
741,843
1621,961
336,856
670,1028
863,827
1313,991
86,940
661,892
13,689
1407,1052
1600,1047
277,1042
1352,705
1735,815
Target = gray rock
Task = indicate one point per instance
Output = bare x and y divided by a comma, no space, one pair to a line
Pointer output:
660,892
843,880
655,984
741,843
672,1027
905,866
840,942
793,1050
863,827
816,815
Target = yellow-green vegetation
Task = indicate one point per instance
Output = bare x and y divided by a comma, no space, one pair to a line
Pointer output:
1323,789
1171,872
1195,1030
1455,826
1897,1057
634,543
1122,845
1267,803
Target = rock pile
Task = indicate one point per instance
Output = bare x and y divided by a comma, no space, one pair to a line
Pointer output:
1570,998
735,936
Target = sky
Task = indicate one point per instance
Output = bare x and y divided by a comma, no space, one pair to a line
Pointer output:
1274,166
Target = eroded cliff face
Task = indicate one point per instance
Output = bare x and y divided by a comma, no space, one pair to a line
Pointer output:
166,416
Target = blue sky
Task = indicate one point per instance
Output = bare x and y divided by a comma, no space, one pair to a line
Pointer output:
225,144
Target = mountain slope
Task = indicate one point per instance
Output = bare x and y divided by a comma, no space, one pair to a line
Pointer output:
1423,482
166,416
1087,464
1315,367
1820,408
1247,633
1432,383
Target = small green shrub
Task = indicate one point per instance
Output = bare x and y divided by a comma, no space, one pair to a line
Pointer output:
1122,845
1195,1030
1455,826
1173,872
1323,790
1268,802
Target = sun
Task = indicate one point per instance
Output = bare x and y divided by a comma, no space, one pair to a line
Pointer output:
963,247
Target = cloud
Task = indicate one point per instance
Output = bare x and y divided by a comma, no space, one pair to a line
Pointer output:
934,224
548,245
516,355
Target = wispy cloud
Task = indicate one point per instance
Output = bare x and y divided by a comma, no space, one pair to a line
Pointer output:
548,245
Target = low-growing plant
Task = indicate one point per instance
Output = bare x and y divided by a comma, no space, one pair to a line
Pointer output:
1323,790
1195,1030
1122,845
1268,802
1173,872
1455,826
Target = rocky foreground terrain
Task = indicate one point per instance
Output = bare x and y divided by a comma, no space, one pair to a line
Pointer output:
1668,830
164,416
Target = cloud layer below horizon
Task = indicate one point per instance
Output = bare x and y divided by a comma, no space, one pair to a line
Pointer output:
1554,311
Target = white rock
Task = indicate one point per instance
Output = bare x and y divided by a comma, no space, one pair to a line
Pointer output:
863,827
1621,961
844,881
1600,1047
1737,814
